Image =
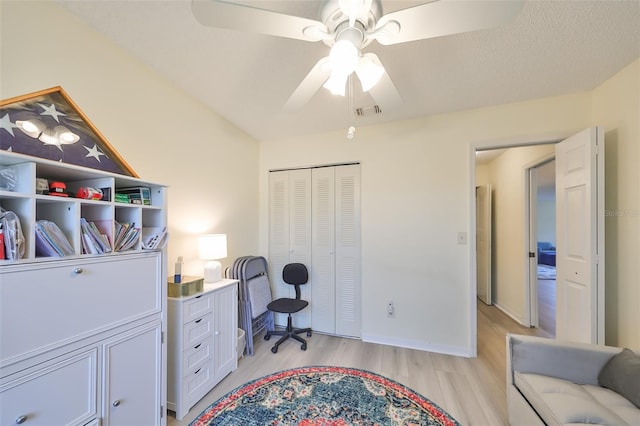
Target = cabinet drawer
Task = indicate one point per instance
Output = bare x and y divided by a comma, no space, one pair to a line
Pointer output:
196,385
197,330
196,307
61,394
43,306
195,355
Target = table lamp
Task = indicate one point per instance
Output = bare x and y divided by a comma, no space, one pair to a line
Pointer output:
212,247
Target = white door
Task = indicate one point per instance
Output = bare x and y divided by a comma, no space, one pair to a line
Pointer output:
289,234
348,287
483,243
580,237
323,295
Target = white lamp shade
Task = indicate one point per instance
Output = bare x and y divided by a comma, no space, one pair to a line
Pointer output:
212,246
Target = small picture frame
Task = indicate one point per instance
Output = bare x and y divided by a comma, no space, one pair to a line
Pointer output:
48,124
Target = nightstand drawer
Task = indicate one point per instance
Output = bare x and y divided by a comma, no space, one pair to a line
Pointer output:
197,330
194,356
197,384
196,307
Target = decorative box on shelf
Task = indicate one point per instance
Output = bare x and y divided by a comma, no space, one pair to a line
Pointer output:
186,287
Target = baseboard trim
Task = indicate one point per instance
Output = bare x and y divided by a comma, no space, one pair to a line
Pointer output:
509,314
418,345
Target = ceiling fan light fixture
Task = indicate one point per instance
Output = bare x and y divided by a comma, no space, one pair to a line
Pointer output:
369,71
336,83
344,57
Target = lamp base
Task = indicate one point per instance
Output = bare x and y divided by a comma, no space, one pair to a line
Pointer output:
212,271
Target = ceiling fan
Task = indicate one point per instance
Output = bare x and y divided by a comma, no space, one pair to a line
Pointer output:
348,26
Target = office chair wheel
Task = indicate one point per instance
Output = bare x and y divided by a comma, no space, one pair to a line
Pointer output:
303,346
274,349
267,337
308,334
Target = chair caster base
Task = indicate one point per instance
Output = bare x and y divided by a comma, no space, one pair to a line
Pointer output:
303,346
274,349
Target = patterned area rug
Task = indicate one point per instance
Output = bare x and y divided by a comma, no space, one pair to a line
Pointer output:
323,396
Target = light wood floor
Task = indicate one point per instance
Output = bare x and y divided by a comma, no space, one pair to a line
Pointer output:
471,390
547,306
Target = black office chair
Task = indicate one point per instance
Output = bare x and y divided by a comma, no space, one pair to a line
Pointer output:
295,274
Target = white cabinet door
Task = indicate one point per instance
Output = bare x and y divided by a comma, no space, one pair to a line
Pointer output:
225,310
131,378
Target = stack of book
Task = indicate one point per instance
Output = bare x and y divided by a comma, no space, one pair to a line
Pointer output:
94,241
126,236
154,237
51,241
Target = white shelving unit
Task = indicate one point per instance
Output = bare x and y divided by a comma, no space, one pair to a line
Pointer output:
66,211
82,335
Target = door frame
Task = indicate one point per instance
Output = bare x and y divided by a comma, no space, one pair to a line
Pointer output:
514,142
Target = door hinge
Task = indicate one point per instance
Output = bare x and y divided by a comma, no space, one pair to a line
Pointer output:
532,254
162,337
161,411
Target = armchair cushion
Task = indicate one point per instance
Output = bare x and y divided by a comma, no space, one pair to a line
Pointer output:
622,375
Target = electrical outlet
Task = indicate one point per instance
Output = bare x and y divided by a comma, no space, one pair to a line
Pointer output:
390,309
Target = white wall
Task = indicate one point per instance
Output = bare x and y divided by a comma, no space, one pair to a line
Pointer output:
165,135
415,199
616,106
546,224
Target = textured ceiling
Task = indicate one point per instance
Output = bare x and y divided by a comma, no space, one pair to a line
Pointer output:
551,48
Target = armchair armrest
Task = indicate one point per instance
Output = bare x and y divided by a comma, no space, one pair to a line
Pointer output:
576,362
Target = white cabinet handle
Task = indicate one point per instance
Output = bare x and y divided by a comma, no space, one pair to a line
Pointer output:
21,419
78,271
116,403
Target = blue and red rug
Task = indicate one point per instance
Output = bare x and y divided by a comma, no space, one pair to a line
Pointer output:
323,396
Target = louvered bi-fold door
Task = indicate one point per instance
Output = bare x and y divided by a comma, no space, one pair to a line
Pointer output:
323,294
314,218
347,248
289,233
336,250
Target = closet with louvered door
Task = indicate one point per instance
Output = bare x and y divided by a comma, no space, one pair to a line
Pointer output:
289,234
333,241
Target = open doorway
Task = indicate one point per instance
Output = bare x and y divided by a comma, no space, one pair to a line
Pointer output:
504,175
579,183
542,232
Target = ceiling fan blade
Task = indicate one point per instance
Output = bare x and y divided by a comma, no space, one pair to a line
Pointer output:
384,92
224,14
444,17
309,86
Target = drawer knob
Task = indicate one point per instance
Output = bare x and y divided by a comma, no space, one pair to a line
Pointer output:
21,419
116,403
78,271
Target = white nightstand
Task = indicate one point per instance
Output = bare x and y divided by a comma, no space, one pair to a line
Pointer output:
201,343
